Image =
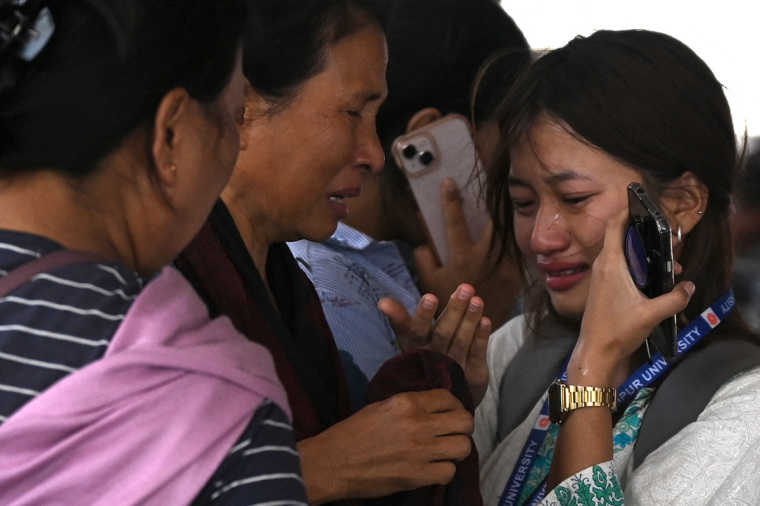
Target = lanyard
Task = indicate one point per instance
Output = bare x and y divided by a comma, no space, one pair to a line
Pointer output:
641,378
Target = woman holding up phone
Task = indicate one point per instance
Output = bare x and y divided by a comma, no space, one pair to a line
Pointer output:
580,124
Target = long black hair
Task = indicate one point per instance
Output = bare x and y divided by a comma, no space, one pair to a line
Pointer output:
103,73
650,102
286,42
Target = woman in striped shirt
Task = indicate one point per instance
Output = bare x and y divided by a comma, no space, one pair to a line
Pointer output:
118,130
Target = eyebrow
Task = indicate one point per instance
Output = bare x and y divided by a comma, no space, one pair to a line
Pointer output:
555,178
368,96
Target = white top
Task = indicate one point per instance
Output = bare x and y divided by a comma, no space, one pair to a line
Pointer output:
714,460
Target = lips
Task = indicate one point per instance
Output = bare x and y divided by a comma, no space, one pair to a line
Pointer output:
337,201
563,276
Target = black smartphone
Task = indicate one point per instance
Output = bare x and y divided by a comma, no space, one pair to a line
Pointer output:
649,252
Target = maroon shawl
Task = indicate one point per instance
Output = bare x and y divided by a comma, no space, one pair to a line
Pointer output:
218,265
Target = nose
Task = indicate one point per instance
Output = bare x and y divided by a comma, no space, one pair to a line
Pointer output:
550,232
369,154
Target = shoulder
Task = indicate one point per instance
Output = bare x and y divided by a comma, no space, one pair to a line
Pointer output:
722,446
505,341
740,394
99,290
105,285
316,256
262,468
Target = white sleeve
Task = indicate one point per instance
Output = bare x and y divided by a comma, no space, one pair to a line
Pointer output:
714,460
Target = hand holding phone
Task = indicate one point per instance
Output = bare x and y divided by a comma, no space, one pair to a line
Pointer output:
649,253
441,149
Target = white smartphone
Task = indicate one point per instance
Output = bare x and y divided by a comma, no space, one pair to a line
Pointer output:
443,148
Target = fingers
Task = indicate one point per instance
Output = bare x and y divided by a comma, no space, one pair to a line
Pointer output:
476,368
411,331
465,336
434,401
407,441
459,312
455,223
479,346
422,319
396,312
614,237
668,304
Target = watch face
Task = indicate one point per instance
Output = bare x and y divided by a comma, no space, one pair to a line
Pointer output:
555,402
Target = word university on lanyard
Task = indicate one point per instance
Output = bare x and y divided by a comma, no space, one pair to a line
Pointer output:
641,378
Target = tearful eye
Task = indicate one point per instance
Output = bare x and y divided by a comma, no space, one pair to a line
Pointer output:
521,206
574,201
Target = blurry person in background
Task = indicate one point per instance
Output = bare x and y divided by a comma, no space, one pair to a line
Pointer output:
745,223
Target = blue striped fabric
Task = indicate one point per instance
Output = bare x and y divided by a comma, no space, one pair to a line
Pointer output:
351,273
60,322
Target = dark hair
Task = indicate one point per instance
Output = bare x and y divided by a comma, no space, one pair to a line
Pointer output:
650,102
103,73
435,48
286,42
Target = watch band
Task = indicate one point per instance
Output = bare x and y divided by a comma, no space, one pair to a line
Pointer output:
564,398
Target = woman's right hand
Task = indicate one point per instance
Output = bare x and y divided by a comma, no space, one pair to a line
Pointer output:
408,441
461,332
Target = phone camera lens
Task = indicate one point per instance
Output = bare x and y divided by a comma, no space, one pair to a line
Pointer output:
426,157
409,151
636,255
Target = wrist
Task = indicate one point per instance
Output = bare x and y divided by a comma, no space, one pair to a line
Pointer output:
564,398
320,477
592,367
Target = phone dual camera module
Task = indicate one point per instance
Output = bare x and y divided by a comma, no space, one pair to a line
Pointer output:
419,154
425,157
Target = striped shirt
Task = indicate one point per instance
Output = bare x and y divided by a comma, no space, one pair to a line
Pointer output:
351,273
56,324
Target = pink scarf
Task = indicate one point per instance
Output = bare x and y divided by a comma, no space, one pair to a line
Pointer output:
151,421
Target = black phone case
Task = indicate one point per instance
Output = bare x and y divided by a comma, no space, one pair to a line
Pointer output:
655,232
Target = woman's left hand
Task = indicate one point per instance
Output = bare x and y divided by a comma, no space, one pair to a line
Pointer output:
460,332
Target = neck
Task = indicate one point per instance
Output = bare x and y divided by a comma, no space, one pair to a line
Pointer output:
49,204
255,242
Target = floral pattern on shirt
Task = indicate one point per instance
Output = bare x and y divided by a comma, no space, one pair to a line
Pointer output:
598,485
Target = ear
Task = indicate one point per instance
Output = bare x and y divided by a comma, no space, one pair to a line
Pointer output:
252,106
172,110
684,201
423,117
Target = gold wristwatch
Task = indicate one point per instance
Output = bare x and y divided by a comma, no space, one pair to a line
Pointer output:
564,398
